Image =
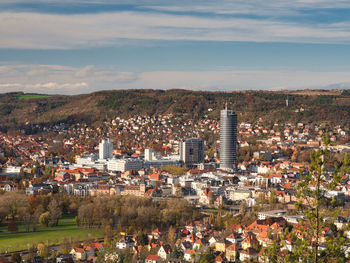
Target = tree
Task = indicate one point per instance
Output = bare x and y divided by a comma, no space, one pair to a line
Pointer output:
317,206
172,235
142,239
207,257
14,203
175,170
43,250
219,222
16,257
3,213
12,227
55,212
44,219
177,252
272,198
319,209
243,208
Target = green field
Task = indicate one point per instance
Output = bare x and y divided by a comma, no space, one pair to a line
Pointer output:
52,235
32,96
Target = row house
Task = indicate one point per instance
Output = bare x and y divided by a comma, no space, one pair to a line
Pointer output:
36,189
8,186
104,189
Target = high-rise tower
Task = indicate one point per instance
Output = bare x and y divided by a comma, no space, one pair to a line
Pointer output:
228,139
105,149
191,151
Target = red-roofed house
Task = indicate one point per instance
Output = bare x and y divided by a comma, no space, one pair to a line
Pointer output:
231,252
152,259
205,196
78,253
248,254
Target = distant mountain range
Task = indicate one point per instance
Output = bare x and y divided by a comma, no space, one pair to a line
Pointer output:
329,107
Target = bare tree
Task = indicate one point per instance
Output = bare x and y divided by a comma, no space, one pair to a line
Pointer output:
55,212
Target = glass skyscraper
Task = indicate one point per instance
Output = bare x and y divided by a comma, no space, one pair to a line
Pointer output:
228,139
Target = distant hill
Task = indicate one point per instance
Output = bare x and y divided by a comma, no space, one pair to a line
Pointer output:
327,107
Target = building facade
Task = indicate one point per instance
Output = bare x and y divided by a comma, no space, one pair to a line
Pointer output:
105,149
228,139
122,165
191,151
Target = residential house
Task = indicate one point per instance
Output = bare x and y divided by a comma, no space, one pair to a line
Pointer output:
186,246
164,252
36,189
64,258
213,240
152,259
231,252
220,259
8,186
234,238
220,245
189,255
157,233
78,253
249,241
125,242
206,196
248,254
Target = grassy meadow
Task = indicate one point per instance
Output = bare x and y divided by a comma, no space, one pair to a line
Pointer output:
51,235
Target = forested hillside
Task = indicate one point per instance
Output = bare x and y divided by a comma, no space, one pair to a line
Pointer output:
18,109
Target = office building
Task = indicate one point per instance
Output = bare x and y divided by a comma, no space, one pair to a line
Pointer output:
228,139
191,151
105,149
151,155
122,165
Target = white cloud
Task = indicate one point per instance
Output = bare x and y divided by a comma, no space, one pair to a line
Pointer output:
55,79
46,88
267,7
50,31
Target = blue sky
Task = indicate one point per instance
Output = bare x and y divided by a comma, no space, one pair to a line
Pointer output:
80,46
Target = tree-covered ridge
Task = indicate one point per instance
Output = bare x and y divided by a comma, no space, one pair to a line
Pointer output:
333,109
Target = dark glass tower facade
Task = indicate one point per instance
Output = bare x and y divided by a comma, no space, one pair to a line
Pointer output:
228,139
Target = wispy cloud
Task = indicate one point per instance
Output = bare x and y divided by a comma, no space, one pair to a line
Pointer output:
50,31
56,79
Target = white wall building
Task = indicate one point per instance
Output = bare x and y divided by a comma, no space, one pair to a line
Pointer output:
87,159
105,149
151,155
122,165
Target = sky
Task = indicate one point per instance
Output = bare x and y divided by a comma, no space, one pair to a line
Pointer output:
81,46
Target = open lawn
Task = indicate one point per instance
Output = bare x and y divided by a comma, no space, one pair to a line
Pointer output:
32,96
53,235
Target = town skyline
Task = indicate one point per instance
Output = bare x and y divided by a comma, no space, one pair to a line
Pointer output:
158,131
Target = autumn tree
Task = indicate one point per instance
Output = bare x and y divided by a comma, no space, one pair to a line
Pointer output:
314,242
3,213
142,239
172,235
44,219
12,227
14,203
55,212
